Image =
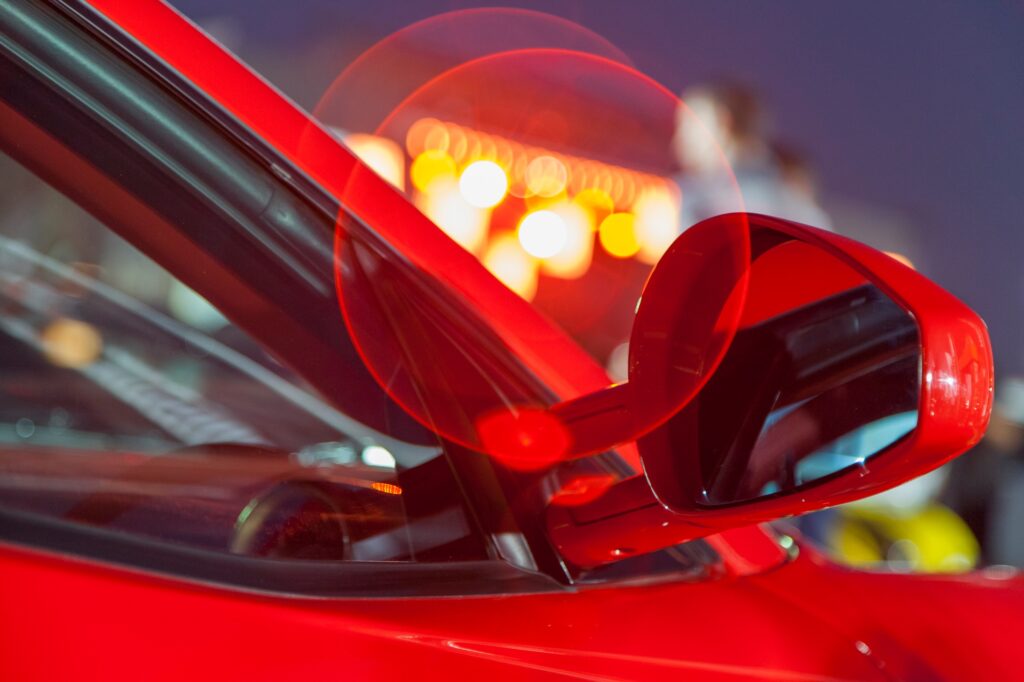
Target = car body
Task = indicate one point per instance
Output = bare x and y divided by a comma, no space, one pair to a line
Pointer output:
77,601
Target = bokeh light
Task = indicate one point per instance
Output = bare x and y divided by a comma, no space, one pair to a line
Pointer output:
576,137
573,259
546,176
506,260
431,166
597,201
618,235
71,343
382,155
483,184
543,233
444,204
656,224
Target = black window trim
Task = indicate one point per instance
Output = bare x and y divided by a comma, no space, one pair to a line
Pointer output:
278,577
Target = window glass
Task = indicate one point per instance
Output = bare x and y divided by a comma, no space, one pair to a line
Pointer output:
128,402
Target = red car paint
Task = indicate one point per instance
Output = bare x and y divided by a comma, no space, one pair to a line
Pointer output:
809,620
66,618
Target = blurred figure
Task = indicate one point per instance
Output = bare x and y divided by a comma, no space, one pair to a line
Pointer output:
721,127
987,484
799,192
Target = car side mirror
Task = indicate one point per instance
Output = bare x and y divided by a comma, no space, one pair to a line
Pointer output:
776,369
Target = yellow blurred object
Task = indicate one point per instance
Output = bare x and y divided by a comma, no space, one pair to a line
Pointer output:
430,167
932,539
617,234
597,201
71,343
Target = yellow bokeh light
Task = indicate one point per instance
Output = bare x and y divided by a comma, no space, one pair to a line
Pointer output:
597,201
573,259
618,235
382,155
71,343
430,167
546,176
542,233
507,261
483,184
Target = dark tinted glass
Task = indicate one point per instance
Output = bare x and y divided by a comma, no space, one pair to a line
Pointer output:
814,383
128,402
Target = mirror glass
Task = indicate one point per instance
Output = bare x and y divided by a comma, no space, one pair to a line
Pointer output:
822,374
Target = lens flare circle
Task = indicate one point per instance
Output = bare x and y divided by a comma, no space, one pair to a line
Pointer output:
506,103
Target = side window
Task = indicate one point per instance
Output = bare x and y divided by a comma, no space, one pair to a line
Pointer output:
129,404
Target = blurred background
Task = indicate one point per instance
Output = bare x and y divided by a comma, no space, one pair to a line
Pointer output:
895,124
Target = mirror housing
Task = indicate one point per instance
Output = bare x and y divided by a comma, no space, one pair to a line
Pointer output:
832,323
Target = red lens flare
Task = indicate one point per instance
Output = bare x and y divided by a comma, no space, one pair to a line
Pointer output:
525,438
520,150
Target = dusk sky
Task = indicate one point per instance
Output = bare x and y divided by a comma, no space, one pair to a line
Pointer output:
916,108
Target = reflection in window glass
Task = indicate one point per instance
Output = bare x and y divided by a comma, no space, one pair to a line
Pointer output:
128,402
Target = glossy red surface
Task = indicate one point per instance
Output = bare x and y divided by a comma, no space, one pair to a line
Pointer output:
63,618
807,621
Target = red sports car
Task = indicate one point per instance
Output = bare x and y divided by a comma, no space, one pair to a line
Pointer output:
260,419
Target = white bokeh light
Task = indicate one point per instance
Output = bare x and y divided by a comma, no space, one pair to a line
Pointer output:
483,184
543,234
